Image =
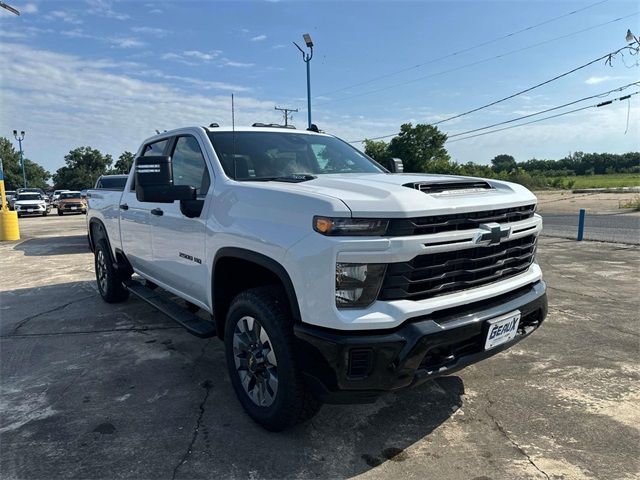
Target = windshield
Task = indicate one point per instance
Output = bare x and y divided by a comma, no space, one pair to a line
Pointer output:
264,155
69,195
29,196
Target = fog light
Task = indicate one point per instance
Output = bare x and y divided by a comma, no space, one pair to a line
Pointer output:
358,284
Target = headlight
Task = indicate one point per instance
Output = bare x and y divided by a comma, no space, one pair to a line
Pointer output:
350,226
358,284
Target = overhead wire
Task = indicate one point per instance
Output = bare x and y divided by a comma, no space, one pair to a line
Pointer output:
599,95
607,57
477,62
609,102
464,50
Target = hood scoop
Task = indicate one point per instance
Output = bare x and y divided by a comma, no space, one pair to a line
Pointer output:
454,187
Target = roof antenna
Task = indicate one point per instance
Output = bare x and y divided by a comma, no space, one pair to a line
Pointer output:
233,137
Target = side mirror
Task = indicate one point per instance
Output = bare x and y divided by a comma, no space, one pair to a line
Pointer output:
394,165
154,181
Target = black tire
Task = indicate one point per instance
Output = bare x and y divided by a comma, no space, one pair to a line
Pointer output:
60,213
45,214
109,285
292,402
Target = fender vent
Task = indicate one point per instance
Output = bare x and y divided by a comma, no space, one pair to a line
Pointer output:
441,187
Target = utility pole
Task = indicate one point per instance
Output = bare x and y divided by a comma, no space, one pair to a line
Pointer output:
286,112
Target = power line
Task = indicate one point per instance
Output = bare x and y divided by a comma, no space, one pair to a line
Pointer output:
600,95
609,102
607,56
477,62
468,49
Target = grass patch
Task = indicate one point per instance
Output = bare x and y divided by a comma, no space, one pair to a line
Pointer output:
613,180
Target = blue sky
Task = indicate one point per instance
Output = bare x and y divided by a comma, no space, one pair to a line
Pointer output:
108,73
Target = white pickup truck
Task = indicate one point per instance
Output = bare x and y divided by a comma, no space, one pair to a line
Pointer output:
329,278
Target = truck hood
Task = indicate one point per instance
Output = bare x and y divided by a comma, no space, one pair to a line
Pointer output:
27,203
394,195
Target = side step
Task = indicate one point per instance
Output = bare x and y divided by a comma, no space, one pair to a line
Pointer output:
194,324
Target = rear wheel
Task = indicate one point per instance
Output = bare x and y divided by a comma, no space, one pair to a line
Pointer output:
259,346
109,285
60,212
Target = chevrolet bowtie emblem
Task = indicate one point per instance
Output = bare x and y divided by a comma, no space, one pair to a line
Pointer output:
491,234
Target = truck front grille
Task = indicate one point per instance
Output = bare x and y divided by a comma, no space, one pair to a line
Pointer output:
457,221
446,272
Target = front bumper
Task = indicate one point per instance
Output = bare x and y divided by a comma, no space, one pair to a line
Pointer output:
357,367
65,209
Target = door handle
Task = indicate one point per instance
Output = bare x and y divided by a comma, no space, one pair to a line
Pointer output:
157,211
124,206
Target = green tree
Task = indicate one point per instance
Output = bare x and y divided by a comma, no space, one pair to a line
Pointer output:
503,163
36,175
421,149
123,165
83,167
379,151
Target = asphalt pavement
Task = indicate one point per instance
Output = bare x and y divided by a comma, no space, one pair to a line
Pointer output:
604,227
91,390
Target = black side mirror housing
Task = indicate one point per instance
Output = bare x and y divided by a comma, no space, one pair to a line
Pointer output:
394,165
154,181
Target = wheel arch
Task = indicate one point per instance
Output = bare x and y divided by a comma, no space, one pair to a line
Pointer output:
226,282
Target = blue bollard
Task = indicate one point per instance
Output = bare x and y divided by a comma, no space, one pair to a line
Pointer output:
581,224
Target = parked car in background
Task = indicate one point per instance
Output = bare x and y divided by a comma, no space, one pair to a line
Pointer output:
83,193
31,203
111,182
71,202
56,196
9,194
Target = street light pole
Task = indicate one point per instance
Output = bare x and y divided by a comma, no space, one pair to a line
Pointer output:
20,138
306,57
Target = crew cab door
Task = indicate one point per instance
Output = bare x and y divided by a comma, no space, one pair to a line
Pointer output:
179,240
135,219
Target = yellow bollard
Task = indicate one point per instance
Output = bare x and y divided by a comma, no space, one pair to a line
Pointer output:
9,229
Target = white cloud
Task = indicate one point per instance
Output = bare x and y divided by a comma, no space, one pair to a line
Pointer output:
156,11
156,32
192,57
28,8
104,8
258,38
230,63
597,80
127,42
65,101
66,17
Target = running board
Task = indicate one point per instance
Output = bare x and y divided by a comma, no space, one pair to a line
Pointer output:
194,324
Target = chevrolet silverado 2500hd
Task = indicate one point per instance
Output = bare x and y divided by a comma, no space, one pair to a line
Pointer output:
328,278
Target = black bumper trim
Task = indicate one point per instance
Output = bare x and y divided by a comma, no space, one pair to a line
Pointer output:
418,350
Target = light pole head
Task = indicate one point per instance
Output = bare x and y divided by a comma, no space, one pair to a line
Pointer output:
307,40
22,133
629,38
15,133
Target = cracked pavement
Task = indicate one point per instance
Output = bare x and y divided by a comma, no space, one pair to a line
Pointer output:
90,390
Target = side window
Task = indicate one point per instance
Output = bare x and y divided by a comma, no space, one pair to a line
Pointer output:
150,150
156,148
189,167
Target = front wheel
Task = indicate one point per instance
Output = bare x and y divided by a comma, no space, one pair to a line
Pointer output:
60,213
109,285
259,346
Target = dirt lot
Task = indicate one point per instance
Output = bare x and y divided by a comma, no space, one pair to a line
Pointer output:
91,390
563,201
